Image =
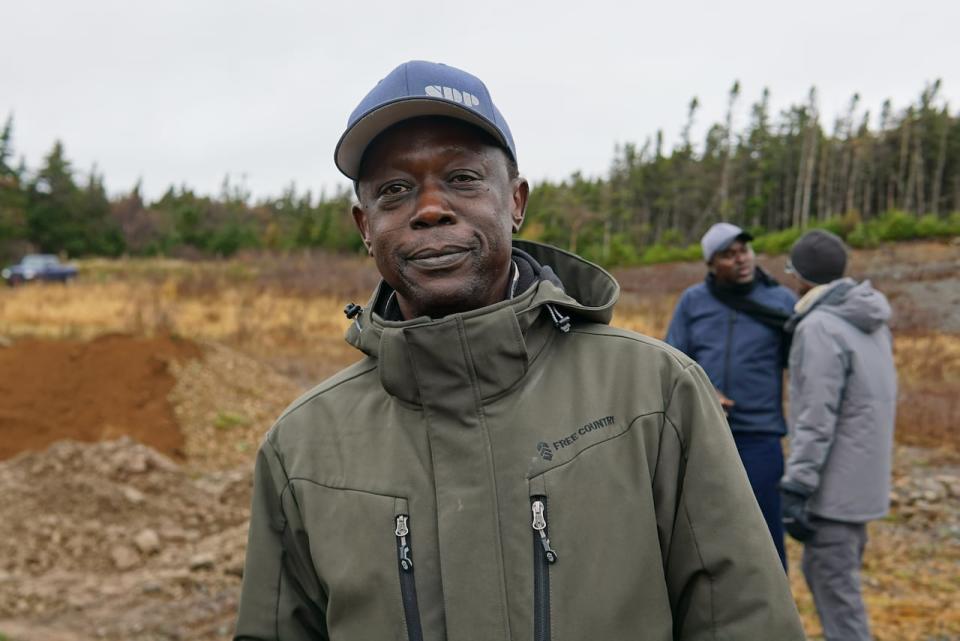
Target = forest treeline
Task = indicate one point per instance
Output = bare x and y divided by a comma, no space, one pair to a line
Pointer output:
780,173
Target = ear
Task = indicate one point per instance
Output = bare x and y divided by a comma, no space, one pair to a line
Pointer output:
360,218
521,192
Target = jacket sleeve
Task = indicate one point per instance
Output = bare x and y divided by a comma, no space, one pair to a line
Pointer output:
281,596
678,333
724,578
818,371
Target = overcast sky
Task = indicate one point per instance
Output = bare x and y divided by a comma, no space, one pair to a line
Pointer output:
184,92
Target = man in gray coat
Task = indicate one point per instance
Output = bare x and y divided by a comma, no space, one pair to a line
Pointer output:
843,391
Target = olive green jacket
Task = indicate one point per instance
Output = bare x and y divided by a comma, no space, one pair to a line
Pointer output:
488,476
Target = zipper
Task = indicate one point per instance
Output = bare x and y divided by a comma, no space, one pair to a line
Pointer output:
543,557
726,353
408,587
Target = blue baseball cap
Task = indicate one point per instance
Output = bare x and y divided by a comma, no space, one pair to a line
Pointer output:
419,88
719,237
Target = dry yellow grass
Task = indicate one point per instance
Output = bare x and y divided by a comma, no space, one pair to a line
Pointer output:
301,331
84,310
275,326
909,588
929,357
648,315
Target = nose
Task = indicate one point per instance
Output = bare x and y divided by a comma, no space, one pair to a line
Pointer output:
432,208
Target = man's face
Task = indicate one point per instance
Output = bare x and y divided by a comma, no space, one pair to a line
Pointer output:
734,265
437,210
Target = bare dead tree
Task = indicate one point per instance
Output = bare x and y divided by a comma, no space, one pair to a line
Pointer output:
856,161
904,152
941,160
728,149
812,130
889,186
847,160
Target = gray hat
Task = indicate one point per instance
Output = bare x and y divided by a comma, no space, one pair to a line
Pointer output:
818,257
719,237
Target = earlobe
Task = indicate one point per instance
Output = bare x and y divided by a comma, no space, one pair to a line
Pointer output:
360,219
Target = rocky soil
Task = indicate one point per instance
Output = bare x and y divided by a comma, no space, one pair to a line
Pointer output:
115,541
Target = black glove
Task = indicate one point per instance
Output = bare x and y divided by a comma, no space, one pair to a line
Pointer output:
793,509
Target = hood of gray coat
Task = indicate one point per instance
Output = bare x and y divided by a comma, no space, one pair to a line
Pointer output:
857,303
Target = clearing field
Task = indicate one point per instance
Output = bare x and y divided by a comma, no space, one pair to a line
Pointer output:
133,400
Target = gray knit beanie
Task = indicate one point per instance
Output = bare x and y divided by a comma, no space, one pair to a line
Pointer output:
819,257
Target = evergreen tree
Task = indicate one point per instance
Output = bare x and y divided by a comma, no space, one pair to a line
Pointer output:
13,199
61,217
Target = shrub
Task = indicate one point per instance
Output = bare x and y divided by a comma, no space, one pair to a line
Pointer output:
891,226
660,253
896,225
839,225
778,242
862,237
622,251
953,224
930,226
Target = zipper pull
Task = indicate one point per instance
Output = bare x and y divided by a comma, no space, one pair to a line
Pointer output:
403,550
540,525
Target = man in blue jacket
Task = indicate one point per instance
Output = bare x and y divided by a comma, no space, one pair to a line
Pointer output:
732,324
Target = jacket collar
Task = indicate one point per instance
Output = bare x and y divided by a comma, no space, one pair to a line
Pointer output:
820,295
424,360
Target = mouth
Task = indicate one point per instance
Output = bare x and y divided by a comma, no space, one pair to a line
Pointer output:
438,257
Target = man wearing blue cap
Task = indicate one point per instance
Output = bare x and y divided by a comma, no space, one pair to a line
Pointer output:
732,324
502,464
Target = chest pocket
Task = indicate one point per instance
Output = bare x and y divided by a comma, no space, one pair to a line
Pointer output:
597,565
357,542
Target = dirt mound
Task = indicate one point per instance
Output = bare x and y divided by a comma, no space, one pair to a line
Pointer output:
111,539
112,386
224,404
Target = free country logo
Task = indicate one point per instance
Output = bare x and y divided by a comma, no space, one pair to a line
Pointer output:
546,450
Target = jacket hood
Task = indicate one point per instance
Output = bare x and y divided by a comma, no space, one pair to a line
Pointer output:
857,303
498,335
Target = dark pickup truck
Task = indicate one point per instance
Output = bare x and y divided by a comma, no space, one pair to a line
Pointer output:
36,267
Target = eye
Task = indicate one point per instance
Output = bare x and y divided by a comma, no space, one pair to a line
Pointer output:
464,177
393,189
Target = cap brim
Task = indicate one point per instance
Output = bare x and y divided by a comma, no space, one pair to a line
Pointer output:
743,235
356,139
